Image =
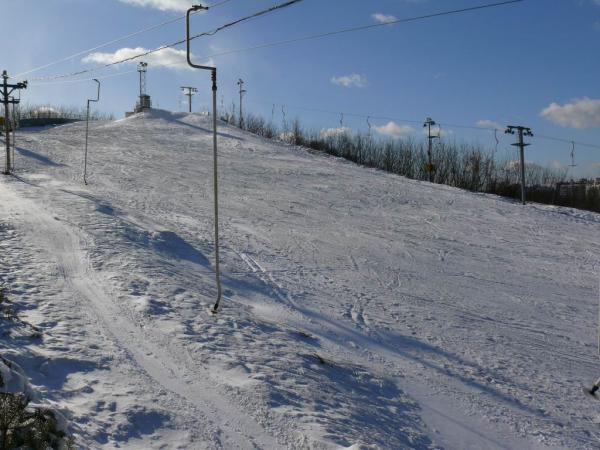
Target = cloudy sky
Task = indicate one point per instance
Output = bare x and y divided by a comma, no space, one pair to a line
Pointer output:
533,63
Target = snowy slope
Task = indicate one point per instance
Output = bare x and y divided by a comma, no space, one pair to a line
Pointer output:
362,309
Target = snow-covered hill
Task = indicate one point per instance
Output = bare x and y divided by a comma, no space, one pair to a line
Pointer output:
361,309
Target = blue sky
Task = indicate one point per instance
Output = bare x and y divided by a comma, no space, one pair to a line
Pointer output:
498,66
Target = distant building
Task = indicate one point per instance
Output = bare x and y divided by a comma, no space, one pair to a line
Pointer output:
576,188
143,103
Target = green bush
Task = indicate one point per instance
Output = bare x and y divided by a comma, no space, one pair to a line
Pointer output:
22,427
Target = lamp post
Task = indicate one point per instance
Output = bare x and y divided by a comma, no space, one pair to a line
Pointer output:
87,131
213,71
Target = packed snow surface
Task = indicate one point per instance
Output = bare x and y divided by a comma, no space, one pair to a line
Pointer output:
362,310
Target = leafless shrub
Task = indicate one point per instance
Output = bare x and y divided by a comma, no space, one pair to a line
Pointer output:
463,165
29,111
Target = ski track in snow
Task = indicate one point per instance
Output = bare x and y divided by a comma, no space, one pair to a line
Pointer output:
151,359
444,318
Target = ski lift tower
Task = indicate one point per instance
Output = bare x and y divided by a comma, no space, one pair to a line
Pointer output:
144,101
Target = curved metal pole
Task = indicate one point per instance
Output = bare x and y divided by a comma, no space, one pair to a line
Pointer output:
213,71
87,131
16,106
5,94
497,140
522,155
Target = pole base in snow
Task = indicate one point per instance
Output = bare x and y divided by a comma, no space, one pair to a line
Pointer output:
593,392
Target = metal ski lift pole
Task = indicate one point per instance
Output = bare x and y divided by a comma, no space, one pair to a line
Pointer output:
240,83
497,140
521,131
5,91
5,99
16,124
87,131
213,71
596,386
283,118
429,122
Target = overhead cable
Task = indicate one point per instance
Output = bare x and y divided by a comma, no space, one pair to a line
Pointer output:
106,44
174,44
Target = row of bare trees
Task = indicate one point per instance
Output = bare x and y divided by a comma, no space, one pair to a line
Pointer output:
27,111
462,165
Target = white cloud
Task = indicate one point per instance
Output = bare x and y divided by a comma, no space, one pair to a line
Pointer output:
163,5
334,132
392,129
46,111
168,57
486,123
383,18
352,80
580,113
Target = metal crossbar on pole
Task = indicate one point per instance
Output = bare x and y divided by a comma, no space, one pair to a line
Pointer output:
87,130
213,71
521,132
